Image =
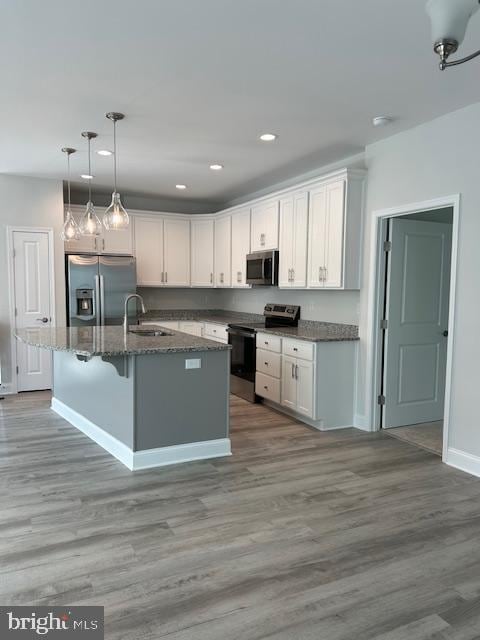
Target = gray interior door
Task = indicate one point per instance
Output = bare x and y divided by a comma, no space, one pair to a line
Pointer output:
418,287
117,280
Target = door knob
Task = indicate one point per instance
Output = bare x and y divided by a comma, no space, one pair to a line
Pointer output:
445,333
44,320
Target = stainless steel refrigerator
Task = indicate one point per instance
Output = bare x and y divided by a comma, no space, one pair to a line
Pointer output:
97,287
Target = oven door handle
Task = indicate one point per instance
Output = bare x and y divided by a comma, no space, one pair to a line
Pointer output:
244,334
263,268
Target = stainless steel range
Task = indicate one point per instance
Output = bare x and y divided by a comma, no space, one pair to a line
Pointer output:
242,337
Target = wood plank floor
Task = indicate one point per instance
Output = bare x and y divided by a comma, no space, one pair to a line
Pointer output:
428,435
299,535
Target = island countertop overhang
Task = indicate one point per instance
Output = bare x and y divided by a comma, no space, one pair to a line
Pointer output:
111,341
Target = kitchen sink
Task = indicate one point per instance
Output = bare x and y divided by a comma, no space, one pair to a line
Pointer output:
150,333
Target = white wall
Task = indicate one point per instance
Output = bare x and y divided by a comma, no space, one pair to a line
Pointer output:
436,159
28,202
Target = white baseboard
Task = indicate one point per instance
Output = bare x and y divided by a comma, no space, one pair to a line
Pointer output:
361,422
98,435
181,453
463,460
148,458
319,425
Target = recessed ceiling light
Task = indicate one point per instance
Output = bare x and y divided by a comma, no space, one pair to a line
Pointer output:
216,167
104,152
181,186
87,176
268,137
381,121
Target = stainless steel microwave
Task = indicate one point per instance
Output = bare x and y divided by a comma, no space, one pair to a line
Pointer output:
262,268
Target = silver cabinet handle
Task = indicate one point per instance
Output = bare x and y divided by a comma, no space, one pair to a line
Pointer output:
211,278
319,274
103,244
289,275
293,275
296,372
95,244
266,364
325,272
262,239
239,276
293,370
265,387
166,276
163,279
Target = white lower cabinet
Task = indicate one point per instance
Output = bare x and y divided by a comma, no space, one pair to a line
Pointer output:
192,327
297,385
217,332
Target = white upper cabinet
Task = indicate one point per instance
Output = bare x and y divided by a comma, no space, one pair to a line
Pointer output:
176,242
108,242
334,233
202,253
240,246
265,226
118,242
293,240
148,233
223,244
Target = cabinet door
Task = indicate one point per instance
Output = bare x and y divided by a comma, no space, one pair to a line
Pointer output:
117,242
334,235
317,237
287,227
300,240
289,383
202,253
149,250
240,246
193,328
265,226
223,244
176,243
304,375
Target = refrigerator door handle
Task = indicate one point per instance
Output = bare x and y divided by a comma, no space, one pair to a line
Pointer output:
102,300
96,304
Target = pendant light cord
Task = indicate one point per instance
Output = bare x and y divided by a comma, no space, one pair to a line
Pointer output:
115,156
89,173
68,163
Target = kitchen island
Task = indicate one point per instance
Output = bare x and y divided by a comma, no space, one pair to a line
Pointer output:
149,400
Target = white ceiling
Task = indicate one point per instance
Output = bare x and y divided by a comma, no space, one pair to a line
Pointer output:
199,79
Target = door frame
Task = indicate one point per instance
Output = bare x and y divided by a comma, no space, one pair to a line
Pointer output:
375,307
11,288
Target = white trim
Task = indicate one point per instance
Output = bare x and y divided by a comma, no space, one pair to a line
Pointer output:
374,292
463,460
148,458
13,386
95,433
181,453
319,425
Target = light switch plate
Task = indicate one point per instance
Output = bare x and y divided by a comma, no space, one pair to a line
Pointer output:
193,363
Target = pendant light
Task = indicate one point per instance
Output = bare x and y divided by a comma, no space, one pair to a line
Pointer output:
90,225
115,217
70,230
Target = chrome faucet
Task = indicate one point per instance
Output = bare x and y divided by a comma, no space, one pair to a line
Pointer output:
125,317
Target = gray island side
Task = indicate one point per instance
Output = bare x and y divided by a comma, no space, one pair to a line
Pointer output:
148,400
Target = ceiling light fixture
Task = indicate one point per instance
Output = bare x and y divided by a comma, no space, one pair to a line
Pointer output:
216,167
70,230
104,152
382,121
268,137
449,21
180,186
115,217
90,225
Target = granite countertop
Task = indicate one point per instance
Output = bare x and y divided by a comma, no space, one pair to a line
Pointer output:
110,341
309,330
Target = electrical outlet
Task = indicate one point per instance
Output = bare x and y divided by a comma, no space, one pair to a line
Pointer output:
193,363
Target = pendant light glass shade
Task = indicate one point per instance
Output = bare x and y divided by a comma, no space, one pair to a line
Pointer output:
450,18
115,217
90,225
70,230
